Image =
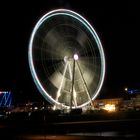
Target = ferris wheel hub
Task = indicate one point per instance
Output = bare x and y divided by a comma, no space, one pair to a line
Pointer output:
75,56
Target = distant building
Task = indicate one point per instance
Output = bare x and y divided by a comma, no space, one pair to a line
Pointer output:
120,103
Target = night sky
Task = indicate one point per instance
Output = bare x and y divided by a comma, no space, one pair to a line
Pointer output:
116,23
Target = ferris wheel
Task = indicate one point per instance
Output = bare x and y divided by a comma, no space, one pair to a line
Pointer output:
66,59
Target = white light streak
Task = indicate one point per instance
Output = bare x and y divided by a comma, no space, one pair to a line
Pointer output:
60,87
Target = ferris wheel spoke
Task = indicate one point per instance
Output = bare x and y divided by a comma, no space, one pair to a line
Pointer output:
49,53
54,41
54,64
81,37
91,61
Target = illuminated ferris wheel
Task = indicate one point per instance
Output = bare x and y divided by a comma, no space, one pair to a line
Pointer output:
66,59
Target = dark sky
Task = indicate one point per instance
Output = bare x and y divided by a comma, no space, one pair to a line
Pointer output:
116,23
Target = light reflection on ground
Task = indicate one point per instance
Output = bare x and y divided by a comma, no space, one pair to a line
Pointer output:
51,137
80,136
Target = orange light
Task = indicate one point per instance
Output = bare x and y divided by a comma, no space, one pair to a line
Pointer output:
110,107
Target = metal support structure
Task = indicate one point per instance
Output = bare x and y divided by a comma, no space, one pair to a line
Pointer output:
60,87
61,84
85,85
72,86
68,63
74,92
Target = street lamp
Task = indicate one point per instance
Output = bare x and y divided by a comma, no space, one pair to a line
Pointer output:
126,89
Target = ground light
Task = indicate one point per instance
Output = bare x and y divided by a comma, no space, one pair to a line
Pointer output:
110,107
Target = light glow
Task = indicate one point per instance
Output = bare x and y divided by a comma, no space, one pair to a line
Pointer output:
110,107
126,89
76,57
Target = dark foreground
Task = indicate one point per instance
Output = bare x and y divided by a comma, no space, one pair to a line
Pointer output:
42,126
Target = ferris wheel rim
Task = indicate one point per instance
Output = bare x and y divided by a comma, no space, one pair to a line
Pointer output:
92,31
